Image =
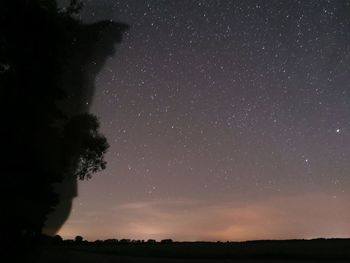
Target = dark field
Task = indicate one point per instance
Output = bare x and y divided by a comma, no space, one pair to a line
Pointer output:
337,250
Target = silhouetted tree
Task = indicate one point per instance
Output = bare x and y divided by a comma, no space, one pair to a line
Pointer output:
111,241
57,239
74,7
78,239
47,134
124,241
84,145
166,241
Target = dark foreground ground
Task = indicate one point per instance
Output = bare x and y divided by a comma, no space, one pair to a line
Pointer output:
248,252
80,256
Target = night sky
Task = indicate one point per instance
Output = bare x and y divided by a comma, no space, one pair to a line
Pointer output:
227,120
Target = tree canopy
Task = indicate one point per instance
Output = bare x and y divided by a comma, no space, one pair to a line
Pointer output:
46,133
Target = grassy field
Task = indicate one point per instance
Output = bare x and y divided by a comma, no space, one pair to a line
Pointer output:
296,250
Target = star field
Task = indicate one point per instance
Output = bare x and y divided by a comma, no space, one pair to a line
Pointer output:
225,114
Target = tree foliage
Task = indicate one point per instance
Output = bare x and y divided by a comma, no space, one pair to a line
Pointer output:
74,7
86,146
43,139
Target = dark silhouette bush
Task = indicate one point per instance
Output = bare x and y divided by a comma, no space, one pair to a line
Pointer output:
78,239
57,239
166,241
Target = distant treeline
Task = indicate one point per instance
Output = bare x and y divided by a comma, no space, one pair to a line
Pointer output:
298,249
57,239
